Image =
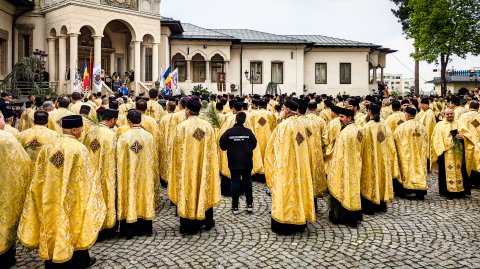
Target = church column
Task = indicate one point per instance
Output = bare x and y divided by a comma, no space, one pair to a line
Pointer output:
208,78
51,58
225,70
131,51
62,59
137,71
143,61
381,73
73,58
155,64
97,51
189,71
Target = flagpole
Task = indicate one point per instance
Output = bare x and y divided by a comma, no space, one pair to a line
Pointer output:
90,72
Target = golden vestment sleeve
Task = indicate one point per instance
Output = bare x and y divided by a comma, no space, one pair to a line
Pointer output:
194,179
288,175
101,143
427,118
443,143
411,145
334,128
151,126
313,128
469,127
165,129
135,176
376,177
64,209
26,120
344,180
14,182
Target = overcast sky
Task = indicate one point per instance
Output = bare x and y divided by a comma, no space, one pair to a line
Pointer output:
360,20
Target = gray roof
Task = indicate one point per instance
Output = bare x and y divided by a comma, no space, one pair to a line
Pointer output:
326,41
195,32
252,36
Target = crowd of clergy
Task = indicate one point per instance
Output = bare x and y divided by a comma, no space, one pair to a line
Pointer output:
79,169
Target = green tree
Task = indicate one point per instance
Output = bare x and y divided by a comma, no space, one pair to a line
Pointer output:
442,29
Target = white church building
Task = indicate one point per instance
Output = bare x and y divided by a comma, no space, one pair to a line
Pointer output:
124,35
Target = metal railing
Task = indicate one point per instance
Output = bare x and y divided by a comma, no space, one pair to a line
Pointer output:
23,88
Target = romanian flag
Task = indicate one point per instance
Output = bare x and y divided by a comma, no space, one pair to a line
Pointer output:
85,75
168,75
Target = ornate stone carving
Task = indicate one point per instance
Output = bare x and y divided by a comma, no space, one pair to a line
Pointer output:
130,4
3,34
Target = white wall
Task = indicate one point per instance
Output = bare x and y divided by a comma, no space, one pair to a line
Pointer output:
292,66
6,13
333,57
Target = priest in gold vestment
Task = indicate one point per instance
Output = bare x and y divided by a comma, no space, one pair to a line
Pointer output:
9,116
150,125
26,120
194,179
64,209
262,123
334,128
14,183
165,129
447,151
154,109
314,128
288,174
469,127
379,164
411,145
344,180
77,104
34,138
55,117
396,118
426,116
101,143
135,179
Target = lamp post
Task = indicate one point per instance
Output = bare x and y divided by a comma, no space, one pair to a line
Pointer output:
252,77
42,56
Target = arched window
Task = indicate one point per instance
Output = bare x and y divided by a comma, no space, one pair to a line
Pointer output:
217,67
180,63
199,68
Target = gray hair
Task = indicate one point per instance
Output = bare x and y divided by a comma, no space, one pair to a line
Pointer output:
47,105
387,102
120,101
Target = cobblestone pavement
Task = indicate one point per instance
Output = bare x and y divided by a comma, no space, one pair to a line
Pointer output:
435,233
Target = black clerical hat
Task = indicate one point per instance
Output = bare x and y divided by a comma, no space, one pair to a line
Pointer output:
370,98
292,105
346,112
262,103
412,111
312,105
425,101
335,109
85,109
237,106
109,114
72,121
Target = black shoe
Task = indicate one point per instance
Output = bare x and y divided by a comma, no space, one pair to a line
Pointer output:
235,211
250,209
420,197
93,260
209,226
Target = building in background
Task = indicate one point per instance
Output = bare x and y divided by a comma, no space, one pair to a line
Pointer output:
130,36
458,81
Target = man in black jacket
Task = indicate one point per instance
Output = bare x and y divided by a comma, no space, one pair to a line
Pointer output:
239,142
